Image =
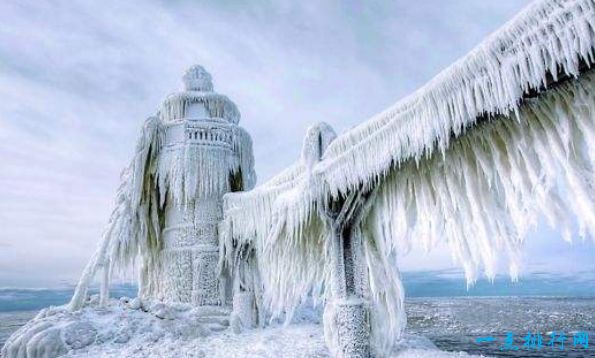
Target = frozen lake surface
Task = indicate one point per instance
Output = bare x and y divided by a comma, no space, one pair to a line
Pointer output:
454,324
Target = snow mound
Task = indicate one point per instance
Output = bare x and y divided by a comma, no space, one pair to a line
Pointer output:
57,331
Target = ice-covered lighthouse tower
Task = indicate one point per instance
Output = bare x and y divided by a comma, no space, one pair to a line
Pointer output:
203,154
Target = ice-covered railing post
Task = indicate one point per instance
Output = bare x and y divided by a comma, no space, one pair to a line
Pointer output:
347,315
247,293
309,242
347,312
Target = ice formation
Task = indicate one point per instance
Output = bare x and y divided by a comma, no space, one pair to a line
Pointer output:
474,157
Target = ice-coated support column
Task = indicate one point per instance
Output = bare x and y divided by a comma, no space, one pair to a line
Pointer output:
247,294
353,327
243,311
347,316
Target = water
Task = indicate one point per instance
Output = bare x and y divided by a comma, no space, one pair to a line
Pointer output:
451,283
11,321
453,324
14,299
17,306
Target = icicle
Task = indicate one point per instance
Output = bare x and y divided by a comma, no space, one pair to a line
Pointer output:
219,106
490,80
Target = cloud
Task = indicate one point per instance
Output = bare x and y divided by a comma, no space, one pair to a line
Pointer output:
78,78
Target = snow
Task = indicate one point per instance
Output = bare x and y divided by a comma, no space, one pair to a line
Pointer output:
120,330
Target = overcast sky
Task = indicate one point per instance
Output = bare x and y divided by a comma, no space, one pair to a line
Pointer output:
77,79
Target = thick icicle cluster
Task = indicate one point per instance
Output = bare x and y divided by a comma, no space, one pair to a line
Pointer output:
218,106
275,210
440,174
549,37
200,170
133,227
491,185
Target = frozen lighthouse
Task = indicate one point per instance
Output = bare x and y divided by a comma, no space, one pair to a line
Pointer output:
165,222
169,203
200,160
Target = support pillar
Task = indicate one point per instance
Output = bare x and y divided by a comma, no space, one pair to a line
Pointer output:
243,311
347,316
247,294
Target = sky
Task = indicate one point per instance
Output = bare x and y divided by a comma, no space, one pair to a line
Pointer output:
78,78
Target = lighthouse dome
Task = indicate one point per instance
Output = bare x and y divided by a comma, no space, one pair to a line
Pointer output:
196,78
198,101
